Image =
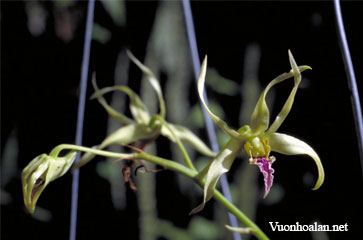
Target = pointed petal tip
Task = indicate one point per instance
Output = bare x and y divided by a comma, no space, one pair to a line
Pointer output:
293,64
129,53
321,176
204,63
197,209
291,57
265,194
319,183
305,67
31,208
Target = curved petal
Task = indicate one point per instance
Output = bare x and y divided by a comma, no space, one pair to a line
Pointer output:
153,81
223,125
32,180
185,135
60,165
220,164
107,107
138,109
289,145
40,172
129,134
246,230
296,72
260,116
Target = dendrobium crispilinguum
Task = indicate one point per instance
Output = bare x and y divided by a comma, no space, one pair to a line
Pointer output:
143,126
258,139
142,129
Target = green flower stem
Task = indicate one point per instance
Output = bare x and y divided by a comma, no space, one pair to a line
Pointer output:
186,157
169,164
55,152
140,155
219,196
240,215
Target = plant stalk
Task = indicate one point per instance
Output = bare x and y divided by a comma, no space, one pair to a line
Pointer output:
168,164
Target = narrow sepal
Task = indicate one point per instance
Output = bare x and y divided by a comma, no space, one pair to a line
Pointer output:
122,118
260,116
296,73
137,108
223,125
220,165
153,81
185,135
123,136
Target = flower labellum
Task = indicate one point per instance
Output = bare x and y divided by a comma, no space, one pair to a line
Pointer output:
265,166
259,138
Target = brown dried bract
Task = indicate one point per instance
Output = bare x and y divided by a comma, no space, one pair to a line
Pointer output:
126,172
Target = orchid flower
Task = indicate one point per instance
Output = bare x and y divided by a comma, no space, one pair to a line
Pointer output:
144,126
40,172
259,138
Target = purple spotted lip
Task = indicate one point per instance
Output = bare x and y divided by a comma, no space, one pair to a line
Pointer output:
265,166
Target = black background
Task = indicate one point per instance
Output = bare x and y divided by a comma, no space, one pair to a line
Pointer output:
39,86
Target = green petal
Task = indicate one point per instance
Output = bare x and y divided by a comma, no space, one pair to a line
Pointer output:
240,230
260,116
296,72
123,136
289,145
153,81
138,109
220,164
59,166
220,122
129,134
32,187
107,107
40,172
185,135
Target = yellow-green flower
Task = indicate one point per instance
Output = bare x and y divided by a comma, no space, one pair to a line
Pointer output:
144,126
259,138
40,172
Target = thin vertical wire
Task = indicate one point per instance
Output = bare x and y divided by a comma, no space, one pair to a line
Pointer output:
80,114
208,121
357,111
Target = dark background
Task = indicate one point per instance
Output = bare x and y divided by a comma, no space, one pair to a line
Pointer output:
39,96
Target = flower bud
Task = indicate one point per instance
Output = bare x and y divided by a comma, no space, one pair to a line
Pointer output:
39,172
